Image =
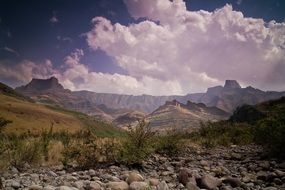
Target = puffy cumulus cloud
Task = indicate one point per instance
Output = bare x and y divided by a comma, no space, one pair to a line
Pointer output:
25,70
76,76
196,49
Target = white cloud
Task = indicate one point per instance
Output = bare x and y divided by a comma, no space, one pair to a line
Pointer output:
196,49
76,76
26,70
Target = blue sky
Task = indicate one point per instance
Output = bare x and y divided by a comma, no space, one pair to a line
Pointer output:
44,34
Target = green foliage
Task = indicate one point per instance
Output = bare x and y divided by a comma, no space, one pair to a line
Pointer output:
270,134
138,144
248,114
20,152
170,143
223,133
46,137
91,151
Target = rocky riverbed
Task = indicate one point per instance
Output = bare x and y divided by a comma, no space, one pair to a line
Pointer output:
235,167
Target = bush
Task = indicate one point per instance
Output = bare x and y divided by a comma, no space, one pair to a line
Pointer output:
138,144
20,152
270,134
170,143
223,133
91,151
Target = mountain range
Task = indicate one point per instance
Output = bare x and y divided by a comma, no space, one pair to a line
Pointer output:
120,108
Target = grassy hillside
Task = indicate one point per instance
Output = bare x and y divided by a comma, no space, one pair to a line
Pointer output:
28,116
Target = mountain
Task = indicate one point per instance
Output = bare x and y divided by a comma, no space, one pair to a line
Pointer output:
231,95
174,114
108,107
28,116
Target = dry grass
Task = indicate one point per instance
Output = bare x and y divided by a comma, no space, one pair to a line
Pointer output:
35,117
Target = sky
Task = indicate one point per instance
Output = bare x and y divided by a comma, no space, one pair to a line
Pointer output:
156,47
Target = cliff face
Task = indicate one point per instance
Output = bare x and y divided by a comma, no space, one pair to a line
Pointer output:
110,106
174,114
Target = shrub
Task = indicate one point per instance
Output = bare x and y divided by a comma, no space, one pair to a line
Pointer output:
138,144
20,152
170,143
270,134
223,133
91,151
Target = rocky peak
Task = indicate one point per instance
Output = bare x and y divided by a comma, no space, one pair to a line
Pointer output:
231,84
43,84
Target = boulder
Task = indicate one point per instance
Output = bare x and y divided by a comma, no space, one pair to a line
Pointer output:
118,185
133,176
210,182
139,185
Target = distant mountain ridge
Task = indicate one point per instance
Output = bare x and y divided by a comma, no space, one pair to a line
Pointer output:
111,106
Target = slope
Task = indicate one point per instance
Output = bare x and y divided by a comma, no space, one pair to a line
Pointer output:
28,116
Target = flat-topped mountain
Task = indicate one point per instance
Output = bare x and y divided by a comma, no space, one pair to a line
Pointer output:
39,85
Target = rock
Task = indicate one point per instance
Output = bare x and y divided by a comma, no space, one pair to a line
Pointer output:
234,182
265,165
94,186
191,186
79,184
235,156
51,173
15,184
270,188
49,188
204,163
66,188
115,185
35,187
153,182
133,176
185,176
226,188
210,182
139,185
91,172
162,186
261,175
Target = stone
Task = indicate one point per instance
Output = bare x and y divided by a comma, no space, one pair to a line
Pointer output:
49,188
261,175
191,186
185,176
270,188
91,172
94,186
234,182
35,187
210,182
265,165
162,186
139,185
79,184
153,182
115,185
15,184
133,176
66,188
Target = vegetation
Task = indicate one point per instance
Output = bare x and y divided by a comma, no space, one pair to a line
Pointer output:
262,124
137,145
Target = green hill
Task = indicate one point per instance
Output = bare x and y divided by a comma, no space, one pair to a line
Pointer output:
29,116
